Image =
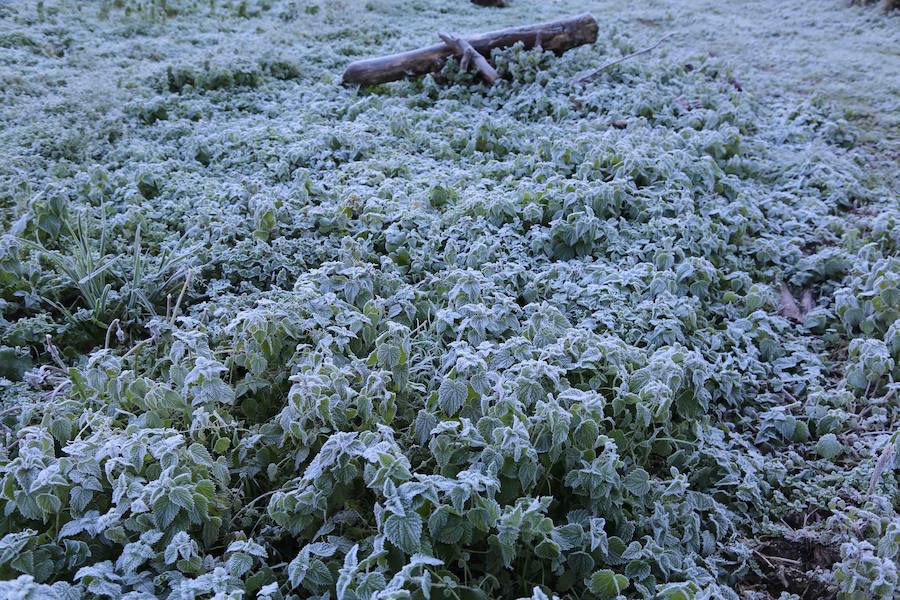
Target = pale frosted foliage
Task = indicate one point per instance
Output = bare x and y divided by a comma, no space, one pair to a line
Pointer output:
430,339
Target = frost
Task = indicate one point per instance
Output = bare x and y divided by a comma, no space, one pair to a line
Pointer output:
264,334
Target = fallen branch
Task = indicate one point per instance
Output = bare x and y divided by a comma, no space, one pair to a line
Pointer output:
555,36
621,59
467,53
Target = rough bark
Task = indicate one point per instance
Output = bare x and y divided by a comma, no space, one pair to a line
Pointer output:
555,36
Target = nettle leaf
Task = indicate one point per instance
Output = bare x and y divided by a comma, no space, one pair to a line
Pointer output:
452,395
239,563
298,568
404,531
345,576
580,563
370,583
49,503
425,422
76,526
548,550
829,446
325,549
200,455
445,526
164,512
389,355
637,482
182,496
221,446
607,583
318,575
181,545
80,497
247,546
599,538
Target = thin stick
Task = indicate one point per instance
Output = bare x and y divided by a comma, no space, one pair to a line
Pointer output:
467,53
621,59
187,282
54,353
765,558
137,347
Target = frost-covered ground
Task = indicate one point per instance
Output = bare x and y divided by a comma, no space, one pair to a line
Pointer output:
789,50
265,335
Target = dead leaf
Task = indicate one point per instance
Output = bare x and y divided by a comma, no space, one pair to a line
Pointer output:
687,104
789,308
806,302
880,466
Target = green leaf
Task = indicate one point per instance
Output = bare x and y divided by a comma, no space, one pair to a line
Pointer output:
23,562
318,575
607,583
548,549
637,482
206,487
239,563
164,511
298,568
452,395
580,562
370,583
425,422
79,498
599,538
388,355
221,446
49,503
182,496
200,455
829,446
14,362
404,531
445,526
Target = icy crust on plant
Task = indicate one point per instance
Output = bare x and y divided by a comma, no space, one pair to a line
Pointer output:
433,340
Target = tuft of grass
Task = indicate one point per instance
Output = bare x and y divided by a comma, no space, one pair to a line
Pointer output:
121,288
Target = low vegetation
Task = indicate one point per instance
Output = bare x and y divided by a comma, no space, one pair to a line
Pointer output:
266,336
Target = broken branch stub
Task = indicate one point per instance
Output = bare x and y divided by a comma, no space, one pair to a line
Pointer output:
467,53
555,36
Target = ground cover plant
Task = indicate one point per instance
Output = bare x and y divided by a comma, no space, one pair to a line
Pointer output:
266,336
